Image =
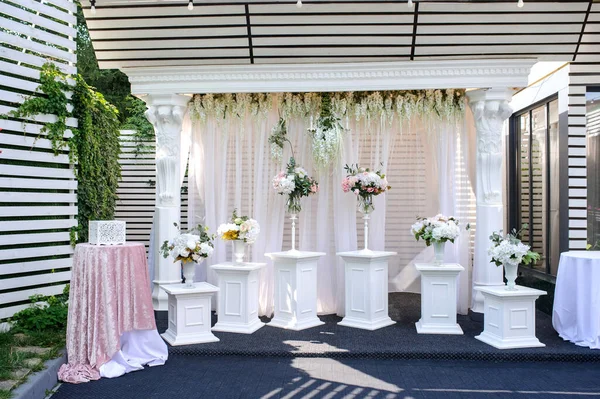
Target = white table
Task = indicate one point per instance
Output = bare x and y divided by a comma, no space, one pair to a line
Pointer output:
189,314
438,298
509,317
237,300
576,312
295,289
366,286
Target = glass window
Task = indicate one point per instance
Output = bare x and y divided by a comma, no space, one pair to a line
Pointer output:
593,167
535,196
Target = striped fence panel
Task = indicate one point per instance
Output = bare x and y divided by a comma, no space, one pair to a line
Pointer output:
137,189
38,201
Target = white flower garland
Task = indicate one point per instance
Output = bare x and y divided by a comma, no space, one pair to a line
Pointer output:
441,104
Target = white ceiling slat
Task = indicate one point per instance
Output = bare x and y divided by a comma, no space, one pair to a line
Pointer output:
508,7
327,59
326,30
514,49
213,31
344,51
303,40
327,8
195,53
216,42
176,10
169,22
501,18
499,39
330,19
442,29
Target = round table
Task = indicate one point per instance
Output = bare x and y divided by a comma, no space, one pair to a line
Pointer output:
111,328
576,313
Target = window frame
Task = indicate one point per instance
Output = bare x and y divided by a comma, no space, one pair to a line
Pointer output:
514,177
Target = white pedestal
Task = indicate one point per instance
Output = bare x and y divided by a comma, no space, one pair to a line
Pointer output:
189,314
509,317
438,298
295,289
366,282
237,303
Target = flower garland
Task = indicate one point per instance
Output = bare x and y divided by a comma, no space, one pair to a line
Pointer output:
327,136
404,104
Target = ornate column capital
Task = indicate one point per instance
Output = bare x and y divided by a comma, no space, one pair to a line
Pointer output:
490,109
165,113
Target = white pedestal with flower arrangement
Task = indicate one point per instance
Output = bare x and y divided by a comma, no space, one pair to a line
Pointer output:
295,289
189,319
366,282
509,317
438,298
237,303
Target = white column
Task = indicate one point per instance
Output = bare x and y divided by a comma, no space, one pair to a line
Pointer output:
490,110
166,112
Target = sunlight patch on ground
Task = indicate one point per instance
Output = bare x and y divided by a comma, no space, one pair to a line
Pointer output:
339,373
312,346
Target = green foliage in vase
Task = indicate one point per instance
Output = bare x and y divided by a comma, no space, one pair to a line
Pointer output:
44,313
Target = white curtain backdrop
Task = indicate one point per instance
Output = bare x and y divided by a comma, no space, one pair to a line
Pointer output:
426,165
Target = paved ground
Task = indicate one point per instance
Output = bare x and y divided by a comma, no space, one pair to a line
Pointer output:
187,377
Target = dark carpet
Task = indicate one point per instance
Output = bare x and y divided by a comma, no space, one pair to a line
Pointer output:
191,377
399,341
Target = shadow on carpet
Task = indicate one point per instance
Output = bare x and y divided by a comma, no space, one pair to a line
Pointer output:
399,341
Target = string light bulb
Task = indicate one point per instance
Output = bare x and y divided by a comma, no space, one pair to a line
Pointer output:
191,5
299,4
410,3
520,3
93,9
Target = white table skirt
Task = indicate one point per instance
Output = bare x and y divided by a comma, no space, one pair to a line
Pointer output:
138,348
576,313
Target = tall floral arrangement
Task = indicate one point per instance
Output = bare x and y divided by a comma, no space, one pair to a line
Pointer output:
364,183
510,250
439,229
294,182
239,228
193,245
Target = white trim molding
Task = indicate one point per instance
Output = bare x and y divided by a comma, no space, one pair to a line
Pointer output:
413,75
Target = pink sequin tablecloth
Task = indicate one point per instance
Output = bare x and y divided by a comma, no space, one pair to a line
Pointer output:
111,328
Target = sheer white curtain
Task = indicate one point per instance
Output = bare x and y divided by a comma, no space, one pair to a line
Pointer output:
231,167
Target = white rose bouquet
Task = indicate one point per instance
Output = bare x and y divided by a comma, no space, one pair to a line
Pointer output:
510,250
239,228
191,246
439,228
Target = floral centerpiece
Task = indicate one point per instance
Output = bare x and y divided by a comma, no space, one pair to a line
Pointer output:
437,230
294,182
364,183
241,230
190,247
510,252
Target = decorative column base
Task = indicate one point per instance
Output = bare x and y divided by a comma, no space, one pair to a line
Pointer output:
237,303
165,271
295,289
438,298
509,317
189,314
366,282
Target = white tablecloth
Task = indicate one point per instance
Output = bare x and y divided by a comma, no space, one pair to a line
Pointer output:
576,313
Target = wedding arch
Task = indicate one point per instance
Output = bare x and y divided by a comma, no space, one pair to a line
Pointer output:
168,93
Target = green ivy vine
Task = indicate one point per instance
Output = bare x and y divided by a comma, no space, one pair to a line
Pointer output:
94,147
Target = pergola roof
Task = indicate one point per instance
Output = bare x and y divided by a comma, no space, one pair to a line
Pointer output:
141,33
